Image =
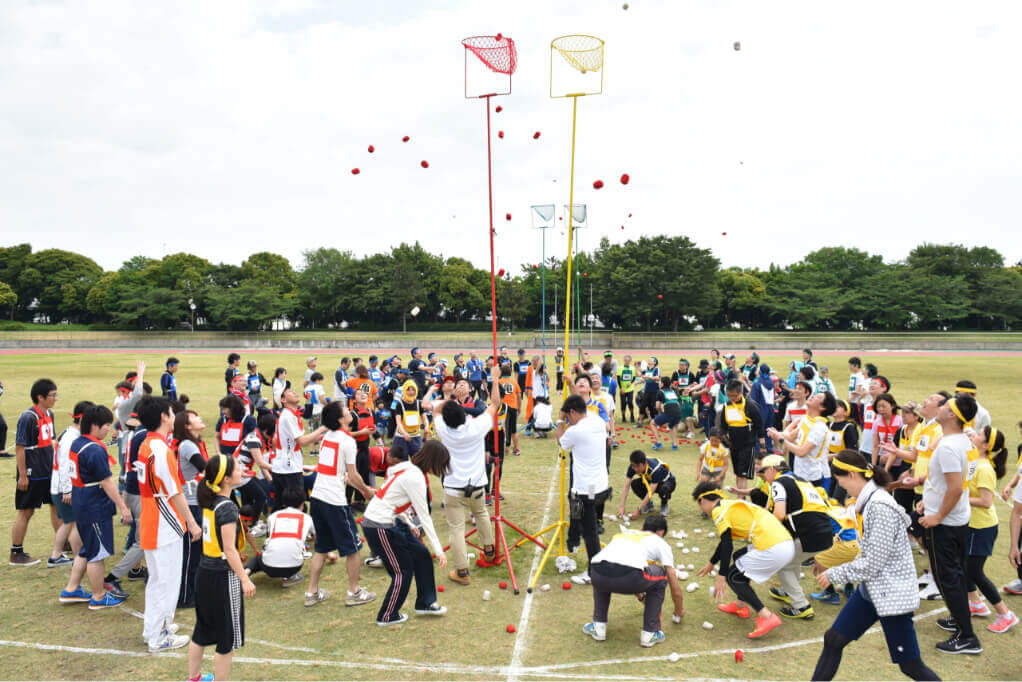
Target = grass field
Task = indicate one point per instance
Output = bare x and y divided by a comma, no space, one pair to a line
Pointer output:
285,640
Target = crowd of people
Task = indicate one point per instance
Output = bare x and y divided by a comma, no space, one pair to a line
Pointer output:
849,484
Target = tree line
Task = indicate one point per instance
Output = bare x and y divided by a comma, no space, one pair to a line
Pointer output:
652,283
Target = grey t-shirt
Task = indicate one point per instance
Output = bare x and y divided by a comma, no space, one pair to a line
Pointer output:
186,451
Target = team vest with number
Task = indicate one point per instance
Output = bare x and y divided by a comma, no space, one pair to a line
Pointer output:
812,500
363,419
836,439
212,542
885,430
289,525
734,415
76,474
972,462
751,522
411,417
647,475
869,415
713,457
231,435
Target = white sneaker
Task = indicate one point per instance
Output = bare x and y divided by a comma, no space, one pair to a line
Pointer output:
581,579
648,639
168,642
170,629
925,578
931,592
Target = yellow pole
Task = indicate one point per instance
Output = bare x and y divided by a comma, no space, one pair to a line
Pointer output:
571,233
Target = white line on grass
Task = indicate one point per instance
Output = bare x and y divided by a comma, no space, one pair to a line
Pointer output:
523,622
698,654
392,665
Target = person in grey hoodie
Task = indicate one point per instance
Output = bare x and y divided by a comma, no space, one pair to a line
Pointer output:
884,570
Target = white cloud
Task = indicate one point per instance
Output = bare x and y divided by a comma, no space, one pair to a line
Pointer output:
231,127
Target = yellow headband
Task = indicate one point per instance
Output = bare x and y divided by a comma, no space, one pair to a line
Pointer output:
958,413
991,443
962,389
845,466
215,485
715,491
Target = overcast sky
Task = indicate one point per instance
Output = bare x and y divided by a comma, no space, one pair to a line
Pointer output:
224,128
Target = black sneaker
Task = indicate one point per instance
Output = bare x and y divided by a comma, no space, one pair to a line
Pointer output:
805,613
599,528
960,645
139,573
948,624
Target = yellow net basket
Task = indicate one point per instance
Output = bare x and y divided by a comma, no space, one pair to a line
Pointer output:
583,53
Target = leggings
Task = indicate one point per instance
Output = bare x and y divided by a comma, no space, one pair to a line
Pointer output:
740,584
976,578
627,405
834,644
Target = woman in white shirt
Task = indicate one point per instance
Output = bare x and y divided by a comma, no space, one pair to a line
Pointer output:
393,536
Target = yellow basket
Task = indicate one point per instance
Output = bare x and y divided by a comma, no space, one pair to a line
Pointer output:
583,53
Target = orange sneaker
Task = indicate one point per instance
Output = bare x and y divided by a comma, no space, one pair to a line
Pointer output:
764,625
733,608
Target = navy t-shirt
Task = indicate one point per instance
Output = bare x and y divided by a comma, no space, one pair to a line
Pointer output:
93,466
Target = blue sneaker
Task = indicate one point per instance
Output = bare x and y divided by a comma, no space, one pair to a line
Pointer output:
674,447
204,677
599,633
827,597
113,586
59,561
658,446
77,597
106,602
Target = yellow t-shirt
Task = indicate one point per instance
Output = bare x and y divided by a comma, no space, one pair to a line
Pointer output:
924,442
751,522
713,457
985,477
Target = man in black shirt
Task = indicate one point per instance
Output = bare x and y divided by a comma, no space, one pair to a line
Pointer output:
233,362
647,477
522,367
417,370
803,511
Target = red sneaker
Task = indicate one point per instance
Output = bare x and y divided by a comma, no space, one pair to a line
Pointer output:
764,625
733,608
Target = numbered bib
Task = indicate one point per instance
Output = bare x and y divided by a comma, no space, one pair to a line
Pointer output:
411,419
733,414
232,434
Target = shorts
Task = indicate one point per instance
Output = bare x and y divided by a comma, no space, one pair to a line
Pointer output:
759,565
858,616
219,610
981,541
743,462
841,552
501,444
335,527
36,495
64,511
671,420
716,473
97,538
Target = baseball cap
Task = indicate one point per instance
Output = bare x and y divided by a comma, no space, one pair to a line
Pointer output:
608,353
311,358
771,461
373,358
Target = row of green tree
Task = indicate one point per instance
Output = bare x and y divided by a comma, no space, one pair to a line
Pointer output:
653,283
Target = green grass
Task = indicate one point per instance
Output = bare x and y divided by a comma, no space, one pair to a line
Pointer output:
473,633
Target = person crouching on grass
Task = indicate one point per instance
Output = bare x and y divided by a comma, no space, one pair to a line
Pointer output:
770,549
884,570
392,539
221,580
639,563
647,477
93,498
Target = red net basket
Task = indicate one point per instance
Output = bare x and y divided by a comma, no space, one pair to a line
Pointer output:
498,54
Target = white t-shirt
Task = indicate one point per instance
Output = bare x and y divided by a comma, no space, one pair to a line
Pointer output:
542,416
539,389
636,549
814,465
1016,496
855,381
467,446
982,418
950,456
315,394
336,452
60,481
793,412
287,458
587,440
308,375
869,416
286,533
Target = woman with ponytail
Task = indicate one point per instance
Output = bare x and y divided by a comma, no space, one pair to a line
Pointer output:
221,580
989,442
884,570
